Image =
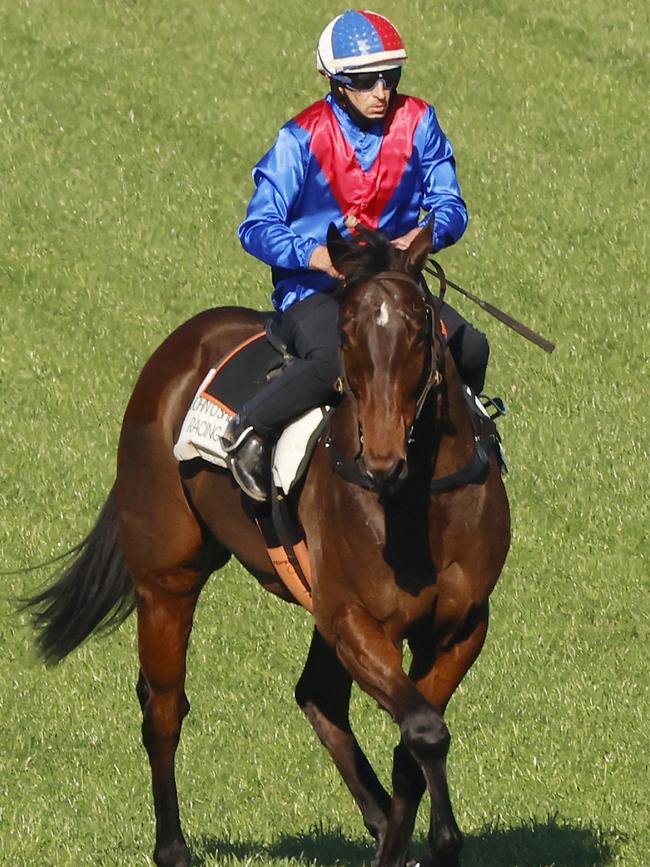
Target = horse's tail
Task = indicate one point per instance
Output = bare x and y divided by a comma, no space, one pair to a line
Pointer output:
95,591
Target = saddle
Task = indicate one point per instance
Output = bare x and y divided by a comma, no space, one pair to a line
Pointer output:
225,389
227,386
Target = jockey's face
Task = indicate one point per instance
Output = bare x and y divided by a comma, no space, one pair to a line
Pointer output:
372,104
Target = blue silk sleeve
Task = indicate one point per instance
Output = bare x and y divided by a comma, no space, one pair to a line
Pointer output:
265,232
441,194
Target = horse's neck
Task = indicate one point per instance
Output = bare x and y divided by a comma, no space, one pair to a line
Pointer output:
345,426
451,432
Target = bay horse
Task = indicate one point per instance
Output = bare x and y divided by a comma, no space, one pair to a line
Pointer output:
393,559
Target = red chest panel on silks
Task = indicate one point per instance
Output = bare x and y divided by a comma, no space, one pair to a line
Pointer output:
358,193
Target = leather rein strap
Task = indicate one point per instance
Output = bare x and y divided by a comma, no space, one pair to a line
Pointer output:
436,269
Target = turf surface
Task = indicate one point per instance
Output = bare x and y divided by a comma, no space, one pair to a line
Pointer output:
127,133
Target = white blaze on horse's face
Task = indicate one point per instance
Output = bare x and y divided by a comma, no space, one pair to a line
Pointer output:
382,315
382,327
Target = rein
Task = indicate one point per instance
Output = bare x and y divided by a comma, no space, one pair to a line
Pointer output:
436,365
519,327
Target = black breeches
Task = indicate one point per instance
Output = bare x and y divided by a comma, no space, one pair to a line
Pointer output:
310,330
469,347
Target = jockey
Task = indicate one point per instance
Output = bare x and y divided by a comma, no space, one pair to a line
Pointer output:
364,151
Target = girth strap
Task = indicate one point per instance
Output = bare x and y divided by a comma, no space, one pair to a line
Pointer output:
285,543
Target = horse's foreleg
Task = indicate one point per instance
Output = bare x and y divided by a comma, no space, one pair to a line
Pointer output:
165,609
323,693
408,788
375,661
437,675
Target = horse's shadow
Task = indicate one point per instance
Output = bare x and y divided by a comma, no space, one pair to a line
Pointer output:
536,844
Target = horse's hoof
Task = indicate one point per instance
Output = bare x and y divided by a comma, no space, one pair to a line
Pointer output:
175,855
441,861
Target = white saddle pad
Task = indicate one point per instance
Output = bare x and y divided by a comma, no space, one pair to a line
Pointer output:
205,422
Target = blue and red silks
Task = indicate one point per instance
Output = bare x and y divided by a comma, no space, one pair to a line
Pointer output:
324,168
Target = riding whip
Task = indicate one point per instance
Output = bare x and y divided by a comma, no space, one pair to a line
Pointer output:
526,332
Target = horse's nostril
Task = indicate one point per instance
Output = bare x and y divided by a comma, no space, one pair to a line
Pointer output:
401,471
385,476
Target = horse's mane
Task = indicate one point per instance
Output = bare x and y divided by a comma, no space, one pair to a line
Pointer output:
370,252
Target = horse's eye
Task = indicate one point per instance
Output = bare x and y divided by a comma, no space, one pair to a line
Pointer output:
344,340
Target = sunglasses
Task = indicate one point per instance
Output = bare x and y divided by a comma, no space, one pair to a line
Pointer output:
365,81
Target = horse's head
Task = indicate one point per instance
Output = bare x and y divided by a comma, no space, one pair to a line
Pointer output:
386,327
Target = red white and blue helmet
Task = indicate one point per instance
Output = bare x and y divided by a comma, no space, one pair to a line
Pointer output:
359,41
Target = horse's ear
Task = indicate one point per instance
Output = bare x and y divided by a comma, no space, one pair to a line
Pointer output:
419,251
338,248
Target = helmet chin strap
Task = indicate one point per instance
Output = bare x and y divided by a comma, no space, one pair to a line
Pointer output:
340,95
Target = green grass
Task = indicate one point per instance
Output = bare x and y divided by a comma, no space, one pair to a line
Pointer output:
127,133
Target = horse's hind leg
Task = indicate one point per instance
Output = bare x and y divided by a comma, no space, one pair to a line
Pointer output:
323,693
166,605
170,561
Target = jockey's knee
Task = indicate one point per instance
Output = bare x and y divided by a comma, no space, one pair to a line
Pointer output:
471,351
326,370
478,353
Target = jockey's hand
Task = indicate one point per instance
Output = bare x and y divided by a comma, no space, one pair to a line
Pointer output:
405,241
321,261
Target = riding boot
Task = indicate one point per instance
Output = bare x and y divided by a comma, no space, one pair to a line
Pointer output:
248,457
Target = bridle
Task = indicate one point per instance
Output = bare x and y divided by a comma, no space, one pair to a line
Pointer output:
485,438
435,364
348,468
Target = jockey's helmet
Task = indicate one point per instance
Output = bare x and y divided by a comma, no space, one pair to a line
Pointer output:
358,41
